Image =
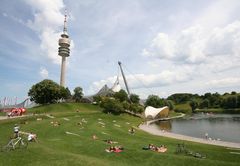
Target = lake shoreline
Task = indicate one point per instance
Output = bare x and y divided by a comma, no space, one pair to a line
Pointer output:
153,131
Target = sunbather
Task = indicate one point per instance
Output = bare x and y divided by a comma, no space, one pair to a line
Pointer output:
32,137
109,141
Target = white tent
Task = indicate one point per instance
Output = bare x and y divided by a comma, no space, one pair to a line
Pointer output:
151,112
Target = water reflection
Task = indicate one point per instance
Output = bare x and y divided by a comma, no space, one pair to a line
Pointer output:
164,125
224,126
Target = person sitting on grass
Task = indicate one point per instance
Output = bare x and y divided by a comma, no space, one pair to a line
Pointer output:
94,137
151,146
32,137
131,131
16,130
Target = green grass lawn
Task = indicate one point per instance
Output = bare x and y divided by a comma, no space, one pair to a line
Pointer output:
55,147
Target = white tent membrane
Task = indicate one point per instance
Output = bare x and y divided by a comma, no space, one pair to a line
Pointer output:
154,112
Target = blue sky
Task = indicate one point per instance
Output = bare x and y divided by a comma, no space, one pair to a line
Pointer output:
165,47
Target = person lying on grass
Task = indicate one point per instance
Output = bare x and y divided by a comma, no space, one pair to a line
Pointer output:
109,141
115,149
160,149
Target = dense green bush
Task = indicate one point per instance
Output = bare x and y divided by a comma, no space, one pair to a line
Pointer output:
110,105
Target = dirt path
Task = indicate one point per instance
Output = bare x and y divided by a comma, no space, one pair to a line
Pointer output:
153,131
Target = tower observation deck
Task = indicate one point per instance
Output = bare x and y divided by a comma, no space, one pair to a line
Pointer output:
64,50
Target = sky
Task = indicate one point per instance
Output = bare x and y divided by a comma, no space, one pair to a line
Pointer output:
166,47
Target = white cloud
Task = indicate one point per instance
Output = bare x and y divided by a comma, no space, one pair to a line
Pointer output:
43,72
47,20
224,82
195,44
138,81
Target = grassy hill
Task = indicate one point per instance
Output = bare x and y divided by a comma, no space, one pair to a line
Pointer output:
55,147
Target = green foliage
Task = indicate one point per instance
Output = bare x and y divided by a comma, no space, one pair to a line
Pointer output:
68,94
154,101
204,104
78,94
136,108
126,105
65,93
46,91
111,105
134,98
179,98
97,99
121,95
170,104
230,102
193,104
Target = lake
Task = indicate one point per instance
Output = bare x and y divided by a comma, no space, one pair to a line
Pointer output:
224,127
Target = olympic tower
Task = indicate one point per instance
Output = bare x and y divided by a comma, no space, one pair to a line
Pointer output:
64,50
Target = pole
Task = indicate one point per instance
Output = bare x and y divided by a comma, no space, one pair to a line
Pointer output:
125,81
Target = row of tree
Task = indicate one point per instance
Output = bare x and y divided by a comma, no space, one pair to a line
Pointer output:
47,91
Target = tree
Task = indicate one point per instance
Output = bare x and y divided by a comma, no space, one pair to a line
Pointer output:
111,105
181,97
238,101
126,105
121,95
169,103
230,102
134,98
204,103
136,108
154,101
233,93
46,91
65,93
78,94
193,105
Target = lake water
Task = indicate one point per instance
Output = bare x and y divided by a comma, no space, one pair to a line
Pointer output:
225,127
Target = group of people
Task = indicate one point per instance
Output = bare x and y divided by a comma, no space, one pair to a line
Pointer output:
115,149
31,137
160,149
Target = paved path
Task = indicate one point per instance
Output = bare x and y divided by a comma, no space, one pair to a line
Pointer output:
14,117
158,132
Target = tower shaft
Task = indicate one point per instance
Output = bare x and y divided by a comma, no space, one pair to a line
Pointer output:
63,70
